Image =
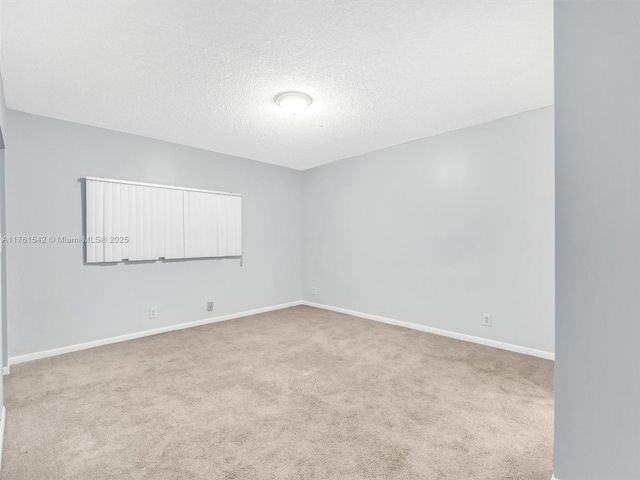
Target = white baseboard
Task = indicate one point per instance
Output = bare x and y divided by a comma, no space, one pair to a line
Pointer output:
445,333
6,370
132,336
3,420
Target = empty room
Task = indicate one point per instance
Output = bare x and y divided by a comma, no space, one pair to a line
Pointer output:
320,240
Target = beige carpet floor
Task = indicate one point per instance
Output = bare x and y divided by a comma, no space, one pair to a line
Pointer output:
299,393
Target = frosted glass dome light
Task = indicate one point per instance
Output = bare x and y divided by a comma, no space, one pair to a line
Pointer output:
293,102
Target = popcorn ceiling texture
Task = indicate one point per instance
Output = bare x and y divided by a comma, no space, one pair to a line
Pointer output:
299,393
204,74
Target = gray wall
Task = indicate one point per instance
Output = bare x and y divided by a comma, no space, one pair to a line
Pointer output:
598,240
3,277
2,287
441,230
54,300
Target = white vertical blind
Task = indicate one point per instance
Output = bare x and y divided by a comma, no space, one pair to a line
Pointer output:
234,226
175,228
134,221
210,224
223,213
108,198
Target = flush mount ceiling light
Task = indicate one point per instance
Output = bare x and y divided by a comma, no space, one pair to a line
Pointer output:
293,102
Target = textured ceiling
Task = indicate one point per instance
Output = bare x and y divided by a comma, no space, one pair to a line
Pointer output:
204,73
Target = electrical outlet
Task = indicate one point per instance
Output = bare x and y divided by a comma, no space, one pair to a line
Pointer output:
209,306
313,290
153,312
486,319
